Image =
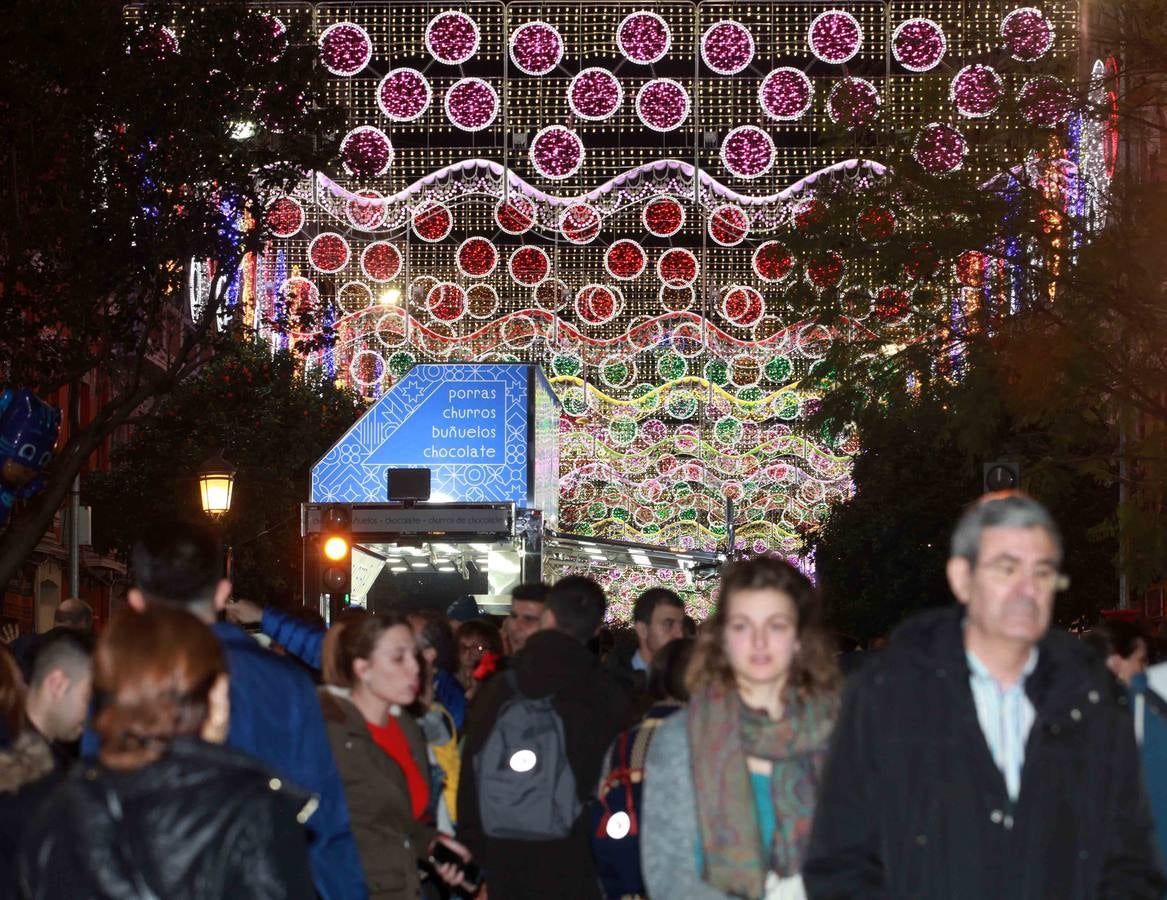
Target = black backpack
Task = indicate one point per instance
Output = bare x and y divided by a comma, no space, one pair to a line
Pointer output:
526,788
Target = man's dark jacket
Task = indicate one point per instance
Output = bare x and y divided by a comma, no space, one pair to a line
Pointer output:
912,804
634,682
594,710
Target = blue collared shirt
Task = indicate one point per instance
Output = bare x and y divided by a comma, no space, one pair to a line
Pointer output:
1006,716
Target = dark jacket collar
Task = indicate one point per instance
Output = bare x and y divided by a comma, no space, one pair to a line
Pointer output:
551,661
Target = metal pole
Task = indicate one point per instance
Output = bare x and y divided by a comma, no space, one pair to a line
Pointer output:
1123,499
75,538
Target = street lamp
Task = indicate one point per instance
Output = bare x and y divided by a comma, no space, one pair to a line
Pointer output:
216,484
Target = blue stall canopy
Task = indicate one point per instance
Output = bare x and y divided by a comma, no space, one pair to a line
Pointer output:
489,433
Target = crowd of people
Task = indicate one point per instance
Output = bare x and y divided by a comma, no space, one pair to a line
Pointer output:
981,753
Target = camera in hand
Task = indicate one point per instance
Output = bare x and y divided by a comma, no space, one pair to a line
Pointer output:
442,854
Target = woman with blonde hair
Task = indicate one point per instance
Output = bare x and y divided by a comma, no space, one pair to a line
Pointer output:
167,811
730,781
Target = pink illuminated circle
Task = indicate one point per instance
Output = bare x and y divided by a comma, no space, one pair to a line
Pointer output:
1045,101
662,104
580,223
452,37
835,36
663,216
729,225
785,94
432,222
536,48
366,152
367,212
677,267
477,257
446,302
939,149
595,94
471,104
918,44
853,103
772,262
328,252
381,261
598,303
515,215
727,47
345,49
284,216
643,37
529,265
742,305
404,95
1027,34
747,152
625,260
976,91
557,152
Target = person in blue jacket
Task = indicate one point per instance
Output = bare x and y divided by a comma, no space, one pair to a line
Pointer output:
275,715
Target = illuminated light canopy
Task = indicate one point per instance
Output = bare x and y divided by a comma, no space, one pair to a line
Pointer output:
366,212
729,225
366,152
663,216
404,95
481,301
773,262
976,91
727,47
825,269
557,152
743,305
515,215
918,44
747,152
471,104
939,148
580,223
785,94
598,303
625,260
853,103
663,104
381,261
345,49
432,221
536,48
446,302
834,36
1045,101
677,267
876,224
328,252
643,37
1027,34
529,265
452,38
477,257
595,94
262,38
284,216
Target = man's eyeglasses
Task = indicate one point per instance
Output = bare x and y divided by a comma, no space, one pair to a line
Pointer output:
1004,571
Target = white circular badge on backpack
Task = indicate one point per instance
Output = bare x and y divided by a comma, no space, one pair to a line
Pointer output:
523,760
619,825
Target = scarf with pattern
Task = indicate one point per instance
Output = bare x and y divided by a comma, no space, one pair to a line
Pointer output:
723,732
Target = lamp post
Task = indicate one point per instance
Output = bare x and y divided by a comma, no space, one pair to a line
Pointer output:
216,486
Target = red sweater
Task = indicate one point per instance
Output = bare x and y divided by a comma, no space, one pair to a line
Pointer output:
391,739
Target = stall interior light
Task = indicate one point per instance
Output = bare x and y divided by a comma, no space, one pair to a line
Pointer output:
398,568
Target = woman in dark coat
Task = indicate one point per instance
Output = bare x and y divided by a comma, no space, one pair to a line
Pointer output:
371,673
167,811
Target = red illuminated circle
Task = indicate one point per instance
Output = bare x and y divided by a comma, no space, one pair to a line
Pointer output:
477,257
773,261
580,223
970,268
515,215
285,217
825,270
876,224
381,261
529,265
328,252
663,217
742,305
446,302
625,260
432,221
729,225
481,301
367,212
677,267
598,303
892,305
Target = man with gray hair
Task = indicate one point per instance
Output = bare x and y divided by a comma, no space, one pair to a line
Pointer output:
982,754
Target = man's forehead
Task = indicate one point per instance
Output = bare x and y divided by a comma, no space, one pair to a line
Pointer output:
526,607
667,611
1031,543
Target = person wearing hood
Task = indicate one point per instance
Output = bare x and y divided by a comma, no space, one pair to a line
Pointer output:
591,709
983,753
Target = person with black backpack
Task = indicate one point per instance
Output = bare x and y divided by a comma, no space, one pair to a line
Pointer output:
535,741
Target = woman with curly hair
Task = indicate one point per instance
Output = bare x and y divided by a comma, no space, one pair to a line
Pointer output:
730,781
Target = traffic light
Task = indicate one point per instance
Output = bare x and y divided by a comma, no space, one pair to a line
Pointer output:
1001,475
336,549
